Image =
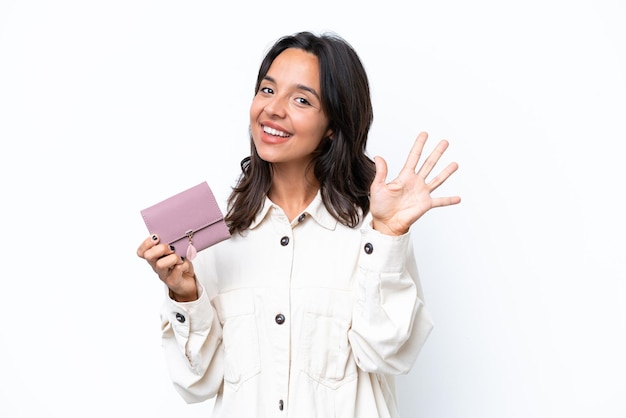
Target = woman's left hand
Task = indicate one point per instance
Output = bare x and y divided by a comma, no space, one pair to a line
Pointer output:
395,206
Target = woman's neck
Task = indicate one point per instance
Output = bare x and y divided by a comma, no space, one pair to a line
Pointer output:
293,192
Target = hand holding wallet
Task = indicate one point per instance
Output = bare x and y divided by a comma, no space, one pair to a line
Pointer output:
191,221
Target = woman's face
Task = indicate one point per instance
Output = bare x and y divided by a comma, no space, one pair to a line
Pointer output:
286,118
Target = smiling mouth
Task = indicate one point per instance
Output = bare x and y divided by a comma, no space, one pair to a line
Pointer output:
275,132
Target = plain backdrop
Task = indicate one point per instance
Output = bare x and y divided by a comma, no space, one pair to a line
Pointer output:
108,106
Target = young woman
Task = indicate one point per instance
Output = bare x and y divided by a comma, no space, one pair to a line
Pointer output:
314,304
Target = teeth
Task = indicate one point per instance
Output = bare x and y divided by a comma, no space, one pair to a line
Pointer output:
275,132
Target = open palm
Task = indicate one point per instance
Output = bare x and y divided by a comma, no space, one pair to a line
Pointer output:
396,205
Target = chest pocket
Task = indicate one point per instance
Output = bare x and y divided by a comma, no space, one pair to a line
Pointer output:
240,336
328,356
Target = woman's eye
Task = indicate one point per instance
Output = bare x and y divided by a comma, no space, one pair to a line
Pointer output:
267,90
302,101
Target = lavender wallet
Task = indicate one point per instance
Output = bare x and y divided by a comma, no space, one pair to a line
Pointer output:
190,221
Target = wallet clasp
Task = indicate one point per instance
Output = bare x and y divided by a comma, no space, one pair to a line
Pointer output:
191,250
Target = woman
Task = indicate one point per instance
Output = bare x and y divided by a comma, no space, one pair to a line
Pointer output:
314,304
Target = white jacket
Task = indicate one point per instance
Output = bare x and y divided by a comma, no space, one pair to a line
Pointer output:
303,319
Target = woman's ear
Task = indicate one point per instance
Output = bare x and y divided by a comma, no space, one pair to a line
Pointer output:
329,134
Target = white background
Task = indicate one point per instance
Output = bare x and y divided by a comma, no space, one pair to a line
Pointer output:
108,106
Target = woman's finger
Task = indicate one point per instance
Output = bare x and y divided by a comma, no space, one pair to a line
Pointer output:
148,243
432,159
443,176
415,153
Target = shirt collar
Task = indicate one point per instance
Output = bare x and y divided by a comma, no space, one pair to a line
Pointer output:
316,209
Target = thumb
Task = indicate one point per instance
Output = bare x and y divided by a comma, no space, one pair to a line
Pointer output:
381,171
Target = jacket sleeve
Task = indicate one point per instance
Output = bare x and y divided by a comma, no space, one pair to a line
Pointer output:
191,340
390,323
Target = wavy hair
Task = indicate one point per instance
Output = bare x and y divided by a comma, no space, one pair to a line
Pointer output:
340,164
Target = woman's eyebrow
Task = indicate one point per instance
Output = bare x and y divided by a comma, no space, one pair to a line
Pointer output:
309,89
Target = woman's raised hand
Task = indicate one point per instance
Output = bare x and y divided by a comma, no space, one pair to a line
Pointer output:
396,205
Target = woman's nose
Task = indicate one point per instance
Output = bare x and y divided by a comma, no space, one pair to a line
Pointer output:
276,106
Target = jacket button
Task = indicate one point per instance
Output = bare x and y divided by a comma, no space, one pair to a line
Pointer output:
180,317
284,241
301,217
281,404
280,319
369,248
